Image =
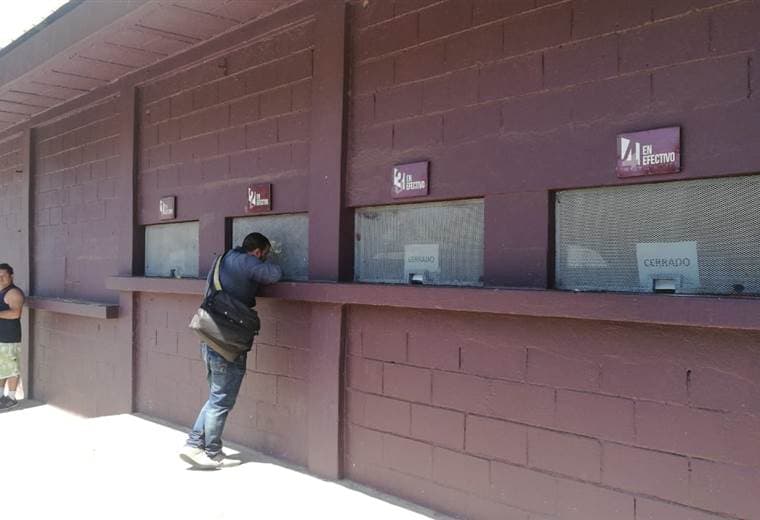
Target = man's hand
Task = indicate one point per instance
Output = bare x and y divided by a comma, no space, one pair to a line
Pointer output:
276,248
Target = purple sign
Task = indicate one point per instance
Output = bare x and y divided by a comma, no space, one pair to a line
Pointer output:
410,180
259,198
653,152
167,208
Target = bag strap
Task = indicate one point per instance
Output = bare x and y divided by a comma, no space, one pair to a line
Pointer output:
217,282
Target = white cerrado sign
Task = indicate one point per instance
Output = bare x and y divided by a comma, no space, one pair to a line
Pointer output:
675,260
421,258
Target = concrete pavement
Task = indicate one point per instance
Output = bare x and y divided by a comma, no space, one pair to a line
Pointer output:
59,465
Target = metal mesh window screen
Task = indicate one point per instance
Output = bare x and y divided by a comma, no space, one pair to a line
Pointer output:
172,250
702,235
437,243
289,235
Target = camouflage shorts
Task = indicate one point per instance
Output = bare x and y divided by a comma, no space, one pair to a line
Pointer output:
9,359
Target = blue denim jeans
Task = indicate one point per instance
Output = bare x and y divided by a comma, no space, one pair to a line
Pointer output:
224,379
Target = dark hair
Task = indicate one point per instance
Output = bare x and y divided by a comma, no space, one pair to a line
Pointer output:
255,241
6,267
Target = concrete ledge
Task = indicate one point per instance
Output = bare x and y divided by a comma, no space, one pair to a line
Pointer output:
105,311
689,311
156,285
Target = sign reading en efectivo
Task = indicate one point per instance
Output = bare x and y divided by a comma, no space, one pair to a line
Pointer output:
410,180
259,198
652,152
167,208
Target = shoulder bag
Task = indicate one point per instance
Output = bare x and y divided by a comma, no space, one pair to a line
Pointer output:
225,323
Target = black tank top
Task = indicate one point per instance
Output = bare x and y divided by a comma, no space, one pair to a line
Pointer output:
10,330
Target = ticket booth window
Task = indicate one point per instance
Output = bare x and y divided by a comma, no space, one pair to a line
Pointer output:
430,243
171,250
690,237
289,235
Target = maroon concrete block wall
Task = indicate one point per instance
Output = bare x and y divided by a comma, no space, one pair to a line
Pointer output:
510,93
11,179
476,415
170,382
76,362
208,132
74,245
205,134
75,204
511,99
490,417
169,373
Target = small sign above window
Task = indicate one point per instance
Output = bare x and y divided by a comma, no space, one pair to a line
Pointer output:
259,198
652,152
410,180
167,208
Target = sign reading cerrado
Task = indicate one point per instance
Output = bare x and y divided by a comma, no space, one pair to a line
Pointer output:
652,152
410,180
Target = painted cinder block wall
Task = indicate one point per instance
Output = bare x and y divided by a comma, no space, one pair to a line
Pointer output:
11,166
75,211
205,133
75,204
521,418
503,417
271,413
512,99
473,414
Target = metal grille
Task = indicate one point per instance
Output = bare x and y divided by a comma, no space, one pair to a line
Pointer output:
172,250
597,232
289,235
436,243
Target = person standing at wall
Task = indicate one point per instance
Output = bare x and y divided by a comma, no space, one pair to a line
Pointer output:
242,270
11,303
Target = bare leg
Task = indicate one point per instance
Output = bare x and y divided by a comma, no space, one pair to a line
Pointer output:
8,402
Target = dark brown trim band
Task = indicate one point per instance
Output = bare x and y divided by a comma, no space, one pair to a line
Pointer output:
688,311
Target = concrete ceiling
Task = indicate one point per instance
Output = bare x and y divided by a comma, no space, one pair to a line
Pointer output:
90,43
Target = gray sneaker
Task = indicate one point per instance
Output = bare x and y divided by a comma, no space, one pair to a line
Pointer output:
6,403
197,458
224,462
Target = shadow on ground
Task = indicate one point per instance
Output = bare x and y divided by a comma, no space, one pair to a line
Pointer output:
128,466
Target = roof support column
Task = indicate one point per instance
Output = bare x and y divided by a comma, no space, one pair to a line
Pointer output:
330,224
130,253
23,276
330,235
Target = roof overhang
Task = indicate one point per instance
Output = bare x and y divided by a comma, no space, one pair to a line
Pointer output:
87,44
